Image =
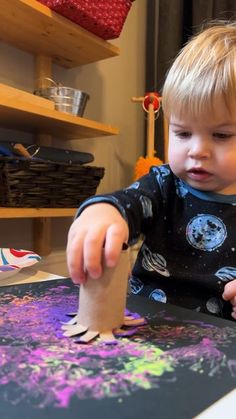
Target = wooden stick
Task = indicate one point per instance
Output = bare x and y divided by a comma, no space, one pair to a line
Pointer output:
141,98
21,150
150,130
137,99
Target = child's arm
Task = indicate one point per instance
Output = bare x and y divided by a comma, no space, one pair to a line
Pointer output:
109,221
99,225
230,295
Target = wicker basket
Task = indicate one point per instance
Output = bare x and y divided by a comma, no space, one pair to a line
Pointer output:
104,18
38,184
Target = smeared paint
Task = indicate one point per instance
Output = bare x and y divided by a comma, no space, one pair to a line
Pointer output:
49,369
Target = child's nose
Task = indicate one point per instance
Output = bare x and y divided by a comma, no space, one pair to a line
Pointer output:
199,148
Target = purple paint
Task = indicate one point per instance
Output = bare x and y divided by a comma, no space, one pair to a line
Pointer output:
49,369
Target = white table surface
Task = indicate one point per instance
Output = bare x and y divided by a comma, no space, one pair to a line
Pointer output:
27,275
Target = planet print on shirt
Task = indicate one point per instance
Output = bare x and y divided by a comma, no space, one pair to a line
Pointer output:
206,232
226,273
214,305
158,295
135,285
154,262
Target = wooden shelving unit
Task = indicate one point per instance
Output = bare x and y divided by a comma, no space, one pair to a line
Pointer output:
33,27
36,212
20,115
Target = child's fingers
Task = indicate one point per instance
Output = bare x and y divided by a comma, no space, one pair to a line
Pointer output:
75,260
75,265
230,295
233,314
229,290
98,224
233,302
74,253
117,234
92,251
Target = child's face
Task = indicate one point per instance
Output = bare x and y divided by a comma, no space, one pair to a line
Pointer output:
202,152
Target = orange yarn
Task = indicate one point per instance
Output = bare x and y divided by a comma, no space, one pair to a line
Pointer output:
143,165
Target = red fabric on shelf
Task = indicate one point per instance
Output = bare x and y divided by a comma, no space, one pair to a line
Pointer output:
104,18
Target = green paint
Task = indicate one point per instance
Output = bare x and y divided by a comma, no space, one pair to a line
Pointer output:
150,363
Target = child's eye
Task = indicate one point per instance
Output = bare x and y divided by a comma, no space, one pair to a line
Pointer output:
222,135
183,134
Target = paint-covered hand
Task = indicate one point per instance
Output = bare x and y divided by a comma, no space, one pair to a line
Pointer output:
230,295
99,225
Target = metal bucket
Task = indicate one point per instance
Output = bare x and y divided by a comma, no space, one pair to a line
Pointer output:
66,99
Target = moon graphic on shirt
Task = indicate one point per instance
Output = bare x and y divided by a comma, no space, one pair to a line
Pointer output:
158,295
214,305
226,273
206,232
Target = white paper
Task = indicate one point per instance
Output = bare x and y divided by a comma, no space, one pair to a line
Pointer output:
223,408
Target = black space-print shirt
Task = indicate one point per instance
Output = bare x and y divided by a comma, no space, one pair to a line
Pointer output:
189,240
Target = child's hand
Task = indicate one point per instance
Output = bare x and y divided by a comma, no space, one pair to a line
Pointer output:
98,225
230,295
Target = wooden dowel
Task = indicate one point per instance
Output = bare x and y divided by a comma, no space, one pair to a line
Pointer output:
137,99
42,226
150,131
21,150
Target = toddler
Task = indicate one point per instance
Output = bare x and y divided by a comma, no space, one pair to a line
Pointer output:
184,210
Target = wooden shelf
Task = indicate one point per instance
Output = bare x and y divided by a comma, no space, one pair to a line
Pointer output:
33,27
19,113
6,212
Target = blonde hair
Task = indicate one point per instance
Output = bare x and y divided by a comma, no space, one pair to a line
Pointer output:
203,74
